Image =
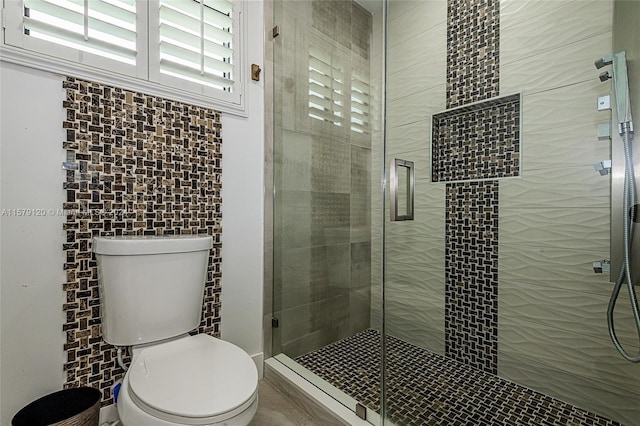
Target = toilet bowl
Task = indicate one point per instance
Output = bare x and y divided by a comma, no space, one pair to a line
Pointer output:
151,295
193,380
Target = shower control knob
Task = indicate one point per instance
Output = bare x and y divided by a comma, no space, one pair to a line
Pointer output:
603,167
604,102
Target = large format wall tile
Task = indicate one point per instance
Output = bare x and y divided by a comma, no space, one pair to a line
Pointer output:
570,228
579,354
423,74
554,267
570,187
415,319
403,54
575,104
550,69
397,8
574,389
576,145
415,107
528,31
576,312
425,16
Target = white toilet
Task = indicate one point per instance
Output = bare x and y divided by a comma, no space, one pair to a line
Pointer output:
151,292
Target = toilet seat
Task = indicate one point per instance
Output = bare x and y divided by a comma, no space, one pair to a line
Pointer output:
193,380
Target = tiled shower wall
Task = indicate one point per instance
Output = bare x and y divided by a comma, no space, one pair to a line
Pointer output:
322,268
138,165
553,220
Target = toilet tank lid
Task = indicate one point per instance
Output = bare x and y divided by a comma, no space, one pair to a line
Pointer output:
151,244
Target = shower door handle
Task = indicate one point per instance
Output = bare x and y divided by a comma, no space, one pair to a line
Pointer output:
402,190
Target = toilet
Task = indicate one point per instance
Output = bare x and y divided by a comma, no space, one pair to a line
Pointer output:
151,294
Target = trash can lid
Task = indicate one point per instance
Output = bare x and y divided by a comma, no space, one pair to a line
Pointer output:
57,406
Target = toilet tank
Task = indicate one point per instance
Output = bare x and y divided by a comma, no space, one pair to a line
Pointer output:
151,287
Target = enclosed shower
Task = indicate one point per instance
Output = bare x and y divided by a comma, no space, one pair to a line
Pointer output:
443,250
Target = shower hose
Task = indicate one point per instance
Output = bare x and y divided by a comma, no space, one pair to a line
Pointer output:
624,277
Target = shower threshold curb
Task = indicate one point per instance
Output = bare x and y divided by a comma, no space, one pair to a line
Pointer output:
314,400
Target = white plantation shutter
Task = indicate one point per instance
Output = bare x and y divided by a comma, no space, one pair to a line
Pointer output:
196,46
189,50
337,95
326,88
359,104
101,33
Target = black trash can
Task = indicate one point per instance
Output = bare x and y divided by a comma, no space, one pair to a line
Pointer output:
68,407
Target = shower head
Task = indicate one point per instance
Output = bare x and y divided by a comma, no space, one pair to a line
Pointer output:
605,76
620,86
605,60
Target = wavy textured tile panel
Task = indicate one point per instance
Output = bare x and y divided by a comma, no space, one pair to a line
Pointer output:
429,196
424,73
420,159
577,354
416,107
414,319
428,224
556,188
525,32
415,250
426,280
590,395
423,17
571,228
572,146
403,54
576,312
521,10
564,106
410,137
397,8
554,267
555,68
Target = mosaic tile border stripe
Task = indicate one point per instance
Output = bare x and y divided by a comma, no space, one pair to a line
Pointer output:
136,165
425,388
471,274
478,141
471,229
473,44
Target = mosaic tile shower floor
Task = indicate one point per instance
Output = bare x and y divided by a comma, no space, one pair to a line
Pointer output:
425,388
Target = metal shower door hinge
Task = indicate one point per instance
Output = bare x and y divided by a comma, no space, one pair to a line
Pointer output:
275,32
275,322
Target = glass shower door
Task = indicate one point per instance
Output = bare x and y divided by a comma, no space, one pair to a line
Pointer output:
323,96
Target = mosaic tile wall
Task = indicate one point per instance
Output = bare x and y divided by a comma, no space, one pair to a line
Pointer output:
471,219
481,141
471,274
424,388
473,41
145,166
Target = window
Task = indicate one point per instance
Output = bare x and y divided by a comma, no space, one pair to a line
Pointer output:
196,44
337,95
189,46
326,88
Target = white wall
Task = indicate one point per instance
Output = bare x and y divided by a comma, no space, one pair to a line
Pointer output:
31,275
242,207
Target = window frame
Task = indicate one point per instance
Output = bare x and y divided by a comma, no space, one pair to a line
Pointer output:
110,72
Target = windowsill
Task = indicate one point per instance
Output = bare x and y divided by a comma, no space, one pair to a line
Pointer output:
45,63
